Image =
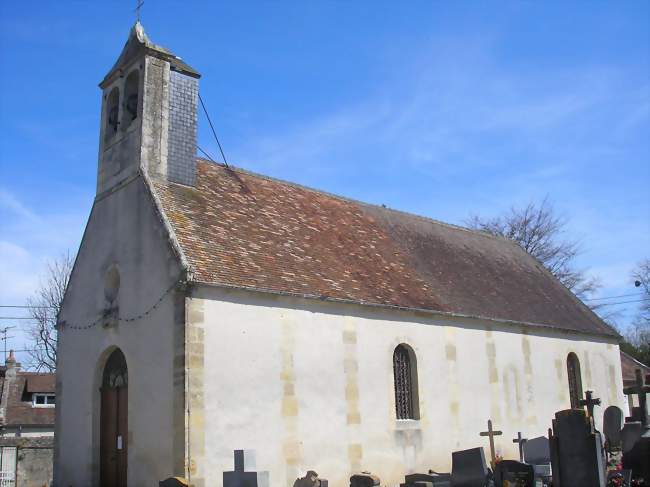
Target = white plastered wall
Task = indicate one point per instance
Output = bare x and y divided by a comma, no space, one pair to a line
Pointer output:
309,385
123,231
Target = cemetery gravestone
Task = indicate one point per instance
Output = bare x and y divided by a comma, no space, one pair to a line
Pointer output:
310,479
364,479
612,427
174,482
245,459
468,468
538,454
576,451
520,443
636,432
427,480
512,473
491,434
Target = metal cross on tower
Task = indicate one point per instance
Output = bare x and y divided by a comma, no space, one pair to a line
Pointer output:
491,433
139,5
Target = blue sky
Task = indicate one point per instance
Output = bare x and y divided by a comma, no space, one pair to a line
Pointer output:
445,109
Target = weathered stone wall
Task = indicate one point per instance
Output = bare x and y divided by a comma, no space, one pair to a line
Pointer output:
124,232
34,460
309,385
34,467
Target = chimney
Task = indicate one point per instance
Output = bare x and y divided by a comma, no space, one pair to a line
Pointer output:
11,365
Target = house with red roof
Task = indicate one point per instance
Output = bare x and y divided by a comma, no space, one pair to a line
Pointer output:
27,414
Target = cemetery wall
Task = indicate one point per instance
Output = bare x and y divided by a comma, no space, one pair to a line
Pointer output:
123,231
309,385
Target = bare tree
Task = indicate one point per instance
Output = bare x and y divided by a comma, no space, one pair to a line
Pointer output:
637,335
641,277
44,309
539,230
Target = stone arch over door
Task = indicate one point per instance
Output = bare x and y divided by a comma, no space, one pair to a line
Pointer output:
114,412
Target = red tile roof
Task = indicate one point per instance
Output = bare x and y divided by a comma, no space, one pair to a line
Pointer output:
249,231
19,409
629,365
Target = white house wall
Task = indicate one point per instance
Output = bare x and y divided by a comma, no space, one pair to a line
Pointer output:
309,385
123,230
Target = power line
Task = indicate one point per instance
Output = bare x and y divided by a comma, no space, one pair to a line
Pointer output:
25,306
16,318
644,300
206,154
613,297
205,110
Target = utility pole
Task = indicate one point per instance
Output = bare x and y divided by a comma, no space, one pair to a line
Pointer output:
3,332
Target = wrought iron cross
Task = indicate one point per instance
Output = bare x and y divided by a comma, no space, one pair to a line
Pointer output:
521,442
139,5
590,402
491,433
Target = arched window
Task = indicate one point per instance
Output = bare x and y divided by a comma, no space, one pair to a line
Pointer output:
112,112
130,112
115,371
575,380
406,383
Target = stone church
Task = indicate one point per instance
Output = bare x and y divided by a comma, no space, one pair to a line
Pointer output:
213,309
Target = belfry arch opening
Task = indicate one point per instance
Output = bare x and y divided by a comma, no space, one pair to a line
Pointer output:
131,99
112,113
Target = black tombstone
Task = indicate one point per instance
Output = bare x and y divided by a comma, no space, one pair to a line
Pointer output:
174,482
427,480
364,479
612,427
576,451
537,453
517,474
238,477
468,468
311,479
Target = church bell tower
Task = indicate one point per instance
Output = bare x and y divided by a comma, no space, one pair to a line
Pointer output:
149,116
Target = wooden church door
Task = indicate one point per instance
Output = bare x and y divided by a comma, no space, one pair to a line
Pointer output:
114,422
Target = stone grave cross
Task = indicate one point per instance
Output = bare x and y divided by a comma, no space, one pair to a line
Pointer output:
590,402
521,442
239,477
640,389
491,433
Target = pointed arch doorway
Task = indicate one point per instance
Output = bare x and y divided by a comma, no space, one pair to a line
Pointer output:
114,421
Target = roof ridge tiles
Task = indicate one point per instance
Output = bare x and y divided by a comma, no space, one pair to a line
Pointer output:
429,219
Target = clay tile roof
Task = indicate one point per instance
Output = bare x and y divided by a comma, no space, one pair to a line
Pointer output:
19,409
628,366
245,230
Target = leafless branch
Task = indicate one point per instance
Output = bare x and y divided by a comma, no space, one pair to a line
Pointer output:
539,230
45,306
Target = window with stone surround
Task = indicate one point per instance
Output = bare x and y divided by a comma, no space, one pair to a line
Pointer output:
406,383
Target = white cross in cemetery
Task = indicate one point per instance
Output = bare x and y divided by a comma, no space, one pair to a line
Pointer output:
491,433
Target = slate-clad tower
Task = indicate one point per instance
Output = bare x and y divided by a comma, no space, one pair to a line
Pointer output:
148,116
